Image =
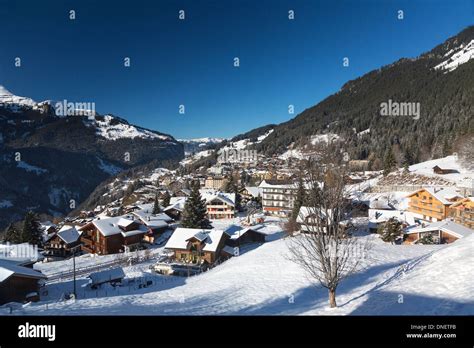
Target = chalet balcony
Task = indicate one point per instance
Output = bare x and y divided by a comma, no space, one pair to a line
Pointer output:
88,248
87,241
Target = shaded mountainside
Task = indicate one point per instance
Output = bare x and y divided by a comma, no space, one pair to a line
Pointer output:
446,100
47,161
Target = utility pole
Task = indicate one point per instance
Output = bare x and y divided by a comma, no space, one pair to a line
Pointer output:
74,250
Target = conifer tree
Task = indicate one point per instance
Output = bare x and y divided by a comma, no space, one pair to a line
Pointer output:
390,230
32,232
12,235
300,199
389,162
166,199
156,205
195,211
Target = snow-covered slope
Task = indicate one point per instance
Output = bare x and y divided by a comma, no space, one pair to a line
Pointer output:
8,98
431,279
457,56
206,140
463,178
111,128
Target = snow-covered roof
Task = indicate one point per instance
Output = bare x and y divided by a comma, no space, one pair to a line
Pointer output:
7,269
441,194
107,275
267,184
213,239
148,218
68,234
211,195
176,203
235,231
180,237
254,191
381,215
109,226
447,226
125,222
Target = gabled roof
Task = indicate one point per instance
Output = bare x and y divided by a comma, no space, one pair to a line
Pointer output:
254,191
109,226
447,226
210,195
150,219
8,269
176,203
235,231
180,237
441,194
68,234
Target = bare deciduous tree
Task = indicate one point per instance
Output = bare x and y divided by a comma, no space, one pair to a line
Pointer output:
324,248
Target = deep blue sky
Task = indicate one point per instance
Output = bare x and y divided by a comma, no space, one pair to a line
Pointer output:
191,62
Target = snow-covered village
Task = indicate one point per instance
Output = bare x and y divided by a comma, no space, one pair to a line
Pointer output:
216,245
280,160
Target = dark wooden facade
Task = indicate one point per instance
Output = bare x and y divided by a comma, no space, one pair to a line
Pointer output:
58,247
195,253
93,241
17,287
249,237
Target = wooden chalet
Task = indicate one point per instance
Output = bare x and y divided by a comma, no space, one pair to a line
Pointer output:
111,235
432,204
441,232
462,212
18,283
198,246
240,236
62,243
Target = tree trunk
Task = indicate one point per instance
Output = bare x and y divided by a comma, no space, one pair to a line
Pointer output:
332,298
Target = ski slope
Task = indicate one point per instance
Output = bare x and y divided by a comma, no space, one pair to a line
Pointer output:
263,281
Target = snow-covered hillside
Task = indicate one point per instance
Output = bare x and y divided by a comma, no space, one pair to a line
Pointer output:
111,128
457,56
202,141
431,279
463,178
6,97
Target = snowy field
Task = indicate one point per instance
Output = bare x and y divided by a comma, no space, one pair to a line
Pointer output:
427,280
464,177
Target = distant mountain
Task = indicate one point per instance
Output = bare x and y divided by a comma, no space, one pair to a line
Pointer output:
441,81
49,160
191,146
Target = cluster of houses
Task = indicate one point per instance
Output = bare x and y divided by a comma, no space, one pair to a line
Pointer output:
104,235
441,213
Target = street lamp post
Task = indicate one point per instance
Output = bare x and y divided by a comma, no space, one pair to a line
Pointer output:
74,270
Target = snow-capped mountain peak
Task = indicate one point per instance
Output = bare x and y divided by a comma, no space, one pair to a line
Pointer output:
113,128
9,99
206,140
